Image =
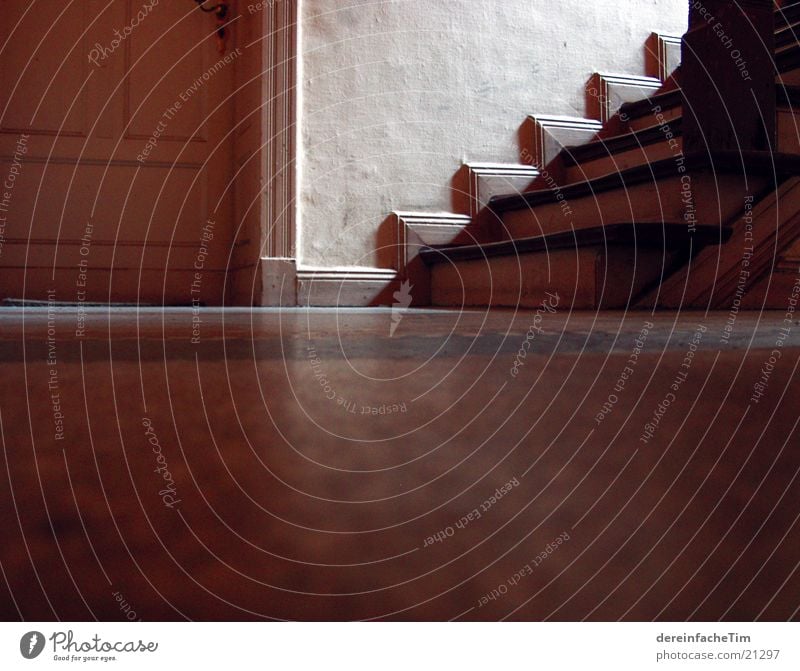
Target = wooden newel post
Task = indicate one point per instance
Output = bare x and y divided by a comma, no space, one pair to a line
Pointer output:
728,76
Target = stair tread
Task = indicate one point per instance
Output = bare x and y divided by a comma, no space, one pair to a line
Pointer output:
639,108
759,162
651,235
604,147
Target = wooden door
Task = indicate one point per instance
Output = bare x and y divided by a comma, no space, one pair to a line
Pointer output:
115,124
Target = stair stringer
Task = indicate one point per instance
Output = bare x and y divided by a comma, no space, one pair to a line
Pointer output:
608,92
663,54
550,134
415,230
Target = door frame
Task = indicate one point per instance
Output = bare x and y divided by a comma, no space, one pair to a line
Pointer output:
264,259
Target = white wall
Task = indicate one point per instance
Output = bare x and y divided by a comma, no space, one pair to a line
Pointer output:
398,94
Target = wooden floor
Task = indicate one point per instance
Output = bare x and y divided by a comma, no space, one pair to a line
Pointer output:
303,464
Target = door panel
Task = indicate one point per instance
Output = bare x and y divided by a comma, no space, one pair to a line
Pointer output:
116,151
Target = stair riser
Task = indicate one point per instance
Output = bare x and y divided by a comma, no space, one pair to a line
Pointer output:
715,200
622,160
577,277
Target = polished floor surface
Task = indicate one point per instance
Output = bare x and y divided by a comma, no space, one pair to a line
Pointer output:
364,464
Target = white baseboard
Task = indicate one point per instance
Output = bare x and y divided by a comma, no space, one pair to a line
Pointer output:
345,287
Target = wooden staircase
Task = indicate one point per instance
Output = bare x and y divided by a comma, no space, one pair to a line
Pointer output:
634,218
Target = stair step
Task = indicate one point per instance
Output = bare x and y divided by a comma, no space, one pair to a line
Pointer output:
643,145
644,235
724,162
602,267
635,139
640,114
702,186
